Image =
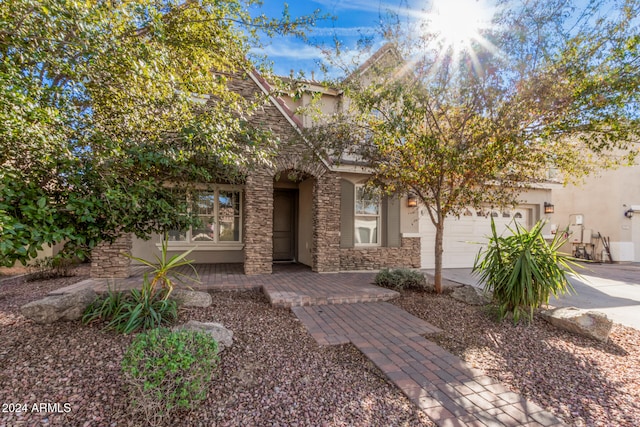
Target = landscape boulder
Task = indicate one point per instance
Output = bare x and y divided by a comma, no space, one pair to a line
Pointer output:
587,323
222,335
69,306
187,298
471,295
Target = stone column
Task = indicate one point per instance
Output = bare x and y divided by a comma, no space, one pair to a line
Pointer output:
326,223
258,224
107,260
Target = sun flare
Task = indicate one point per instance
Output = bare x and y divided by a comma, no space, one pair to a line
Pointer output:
458,23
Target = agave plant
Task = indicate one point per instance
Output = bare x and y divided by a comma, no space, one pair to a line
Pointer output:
148,307
523,270
127,312
165,271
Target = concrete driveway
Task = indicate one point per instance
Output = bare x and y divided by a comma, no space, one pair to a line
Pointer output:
613,289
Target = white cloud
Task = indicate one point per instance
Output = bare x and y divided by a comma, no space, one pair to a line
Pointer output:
360,5
340,31
286,49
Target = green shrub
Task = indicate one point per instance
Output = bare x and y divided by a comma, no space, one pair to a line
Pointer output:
400,278
168,371
523,270
127,312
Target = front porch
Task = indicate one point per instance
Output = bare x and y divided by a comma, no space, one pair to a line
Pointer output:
289,285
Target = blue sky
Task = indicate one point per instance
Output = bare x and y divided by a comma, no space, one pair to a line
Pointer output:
353,18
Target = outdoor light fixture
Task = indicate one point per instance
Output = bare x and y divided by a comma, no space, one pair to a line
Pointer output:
548,208
412,200
628,213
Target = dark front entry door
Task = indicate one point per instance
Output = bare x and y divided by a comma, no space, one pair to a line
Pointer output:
284,225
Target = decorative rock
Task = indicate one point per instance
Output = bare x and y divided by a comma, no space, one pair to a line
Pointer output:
66,307
222,335
471,295
188,298
587,323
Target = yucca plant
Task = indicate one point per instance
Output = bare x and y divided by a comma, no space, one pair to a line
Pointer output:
147,307
523,270
104,307
165,271
143,310
127,312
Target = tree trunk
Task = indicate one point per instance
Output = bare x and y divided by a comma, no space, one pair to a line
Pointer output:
437,277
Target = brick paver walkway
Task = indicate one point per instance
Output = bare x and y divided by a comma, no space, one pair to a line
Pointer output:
443,385
288,286
339,308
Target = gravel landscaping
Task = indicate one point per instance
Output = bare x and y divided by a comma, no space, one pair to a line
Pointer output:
582,381
276,375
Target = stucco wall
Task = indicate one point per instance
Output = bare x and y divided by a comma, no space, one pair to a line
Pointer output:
149,249
602,201
409,219
305,222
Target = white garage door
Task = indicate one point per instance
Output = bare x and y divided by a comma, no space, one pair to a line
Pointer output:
464,236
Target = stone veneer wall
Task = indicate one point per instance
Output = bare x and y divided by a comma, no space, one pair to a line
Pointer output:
375,258
107,260
293,154
326,223
258,223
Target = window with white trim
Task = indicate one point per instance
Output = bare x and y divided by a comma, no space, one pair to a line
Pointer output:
219,211
367,217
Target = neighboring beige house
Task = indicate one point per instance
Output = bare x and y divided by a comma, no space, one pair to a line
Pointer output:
607,203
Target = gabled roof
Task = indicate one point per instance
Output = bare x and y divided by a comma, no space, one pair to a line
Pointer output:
284,109
389,49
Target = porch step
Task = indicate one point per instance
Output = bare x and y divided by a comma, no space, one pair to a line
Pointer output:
298,290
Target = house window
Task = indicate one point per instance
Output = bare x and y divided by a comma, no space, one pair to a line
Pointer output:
218,211
367,217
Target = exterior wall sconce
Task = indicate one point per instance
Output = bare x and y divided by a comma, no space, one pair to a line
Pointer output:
629,213
412,200
548,208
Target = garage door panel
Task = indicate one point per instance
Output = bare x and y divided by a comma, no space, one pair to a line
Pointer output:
464,237
462,248
460,228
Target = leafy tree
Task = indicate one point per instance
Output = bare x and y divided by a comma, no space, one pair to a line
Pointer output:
547,85
98,112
